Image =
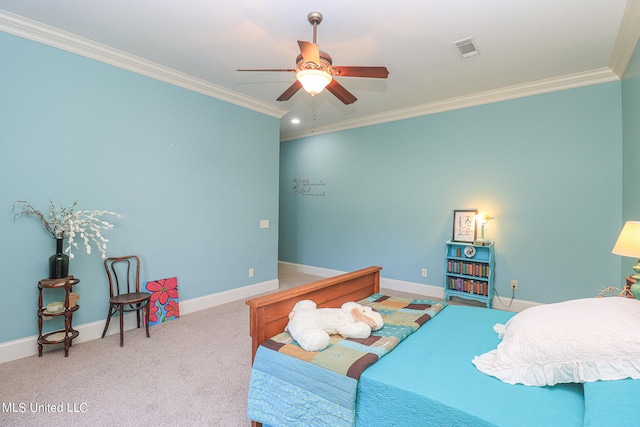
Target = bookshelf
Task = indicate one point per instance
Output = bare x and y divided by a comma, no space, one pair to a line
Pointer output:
470,276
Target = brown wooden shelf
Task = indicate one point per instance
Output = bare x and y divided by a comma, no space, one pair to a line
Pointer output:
68,334
48,338
43,312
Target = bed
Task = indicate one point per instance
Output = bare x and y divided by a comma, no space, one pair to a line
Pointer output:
428,379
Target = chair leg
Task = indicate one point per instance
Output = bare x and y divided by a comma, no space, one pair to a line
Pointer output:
138,306
121,326
146,320
106,326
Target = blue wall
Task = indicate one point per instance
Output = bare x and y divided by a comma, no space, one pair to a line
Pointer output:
548,167
191,175
631,137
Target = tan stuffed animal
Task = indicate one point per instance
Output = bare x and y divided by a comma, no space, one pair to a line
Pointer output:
311,326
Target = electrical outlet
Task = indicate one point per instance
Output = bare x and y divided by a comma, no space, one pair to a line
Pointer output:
424,272
251,272
514,285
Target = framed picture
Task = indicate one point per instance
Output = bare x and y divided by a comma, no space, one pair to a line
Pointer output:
464,225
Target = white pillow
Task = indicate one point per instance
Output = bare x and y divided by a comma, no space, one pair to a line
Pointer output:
575,341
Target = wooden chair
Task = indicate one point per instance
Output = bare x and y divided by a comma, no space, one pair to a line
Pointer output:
124,274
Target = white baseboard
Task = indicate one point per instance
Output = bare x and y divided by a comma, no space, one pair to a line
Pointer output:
224,297
392,284
515,305
25,347
308,269
412,288
505,304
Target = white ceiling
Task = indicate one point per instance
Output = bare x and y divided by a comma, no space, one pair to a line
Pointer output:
526,46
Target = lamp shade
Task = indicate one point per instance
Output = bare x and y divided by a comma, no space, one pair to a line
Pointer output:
313,81
628,243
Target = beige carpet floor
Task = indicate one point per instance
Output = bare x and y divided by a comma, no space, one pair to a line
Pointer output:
192,371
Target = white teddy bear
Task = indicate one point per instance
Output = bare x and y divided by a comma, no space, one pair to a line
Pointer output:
311,326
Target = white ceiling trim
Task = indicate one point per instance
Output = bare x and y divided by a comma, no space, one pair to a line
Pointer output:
602,75
627,38
41,33
36,31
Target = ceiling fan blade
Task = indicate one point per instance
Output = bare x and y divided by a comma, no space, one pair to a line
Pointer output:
310,52
288,70
341,93
371,72
291,90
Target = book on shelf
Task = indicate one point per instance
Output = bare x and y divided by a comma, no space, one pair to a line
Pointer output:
468,286
468,268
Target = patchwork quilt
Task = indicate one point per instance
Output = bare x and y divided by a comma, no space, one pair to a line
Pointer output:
292,387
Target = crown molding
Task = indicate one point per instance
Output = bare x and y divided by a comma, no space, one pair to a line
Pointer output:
54,37
627,38
570,81
41,33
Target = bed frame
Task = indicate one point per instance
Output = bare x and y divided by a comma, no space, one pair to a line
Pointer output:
269,313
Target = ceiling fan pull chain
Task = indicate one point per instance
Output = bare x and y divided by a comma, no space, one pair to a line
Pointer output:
313,112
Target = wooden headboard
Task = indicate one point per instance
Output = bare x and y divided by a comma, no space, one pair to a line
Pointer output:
269,313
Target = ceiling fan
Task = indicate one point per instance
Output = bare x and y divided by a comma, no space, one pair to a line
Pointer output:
315,70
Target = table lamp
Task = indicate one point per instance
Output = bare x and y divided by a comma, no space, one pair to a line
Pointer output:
482,218
628,244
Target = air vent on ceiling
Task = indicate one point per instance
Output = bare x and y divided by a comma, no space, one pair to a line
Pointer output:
466,47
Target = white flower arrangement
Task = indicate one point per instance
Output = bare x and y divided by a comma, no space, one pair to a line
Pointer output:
67,223
611,291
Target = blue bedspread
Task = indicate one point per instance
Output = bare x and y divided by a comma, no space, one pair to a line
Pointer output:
293,387
611,403
429,380
432,379
286,391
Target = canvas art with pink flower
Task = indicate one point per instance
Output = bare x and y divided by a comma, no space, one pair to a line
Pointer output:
164,304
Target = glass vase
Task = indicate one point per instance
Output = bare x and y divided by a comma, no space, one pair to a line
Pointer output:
58,263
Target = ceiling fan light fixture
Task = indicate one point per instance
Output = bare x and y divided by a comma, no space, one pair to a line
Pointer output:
313,81
315,71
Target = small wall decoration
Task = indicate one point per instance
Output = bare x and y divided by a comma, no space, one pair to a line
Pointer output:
464,225
164,303
304,187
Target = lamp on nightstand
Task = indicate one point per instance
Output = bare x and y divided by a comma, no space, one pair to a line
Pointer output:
482,218
628,244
